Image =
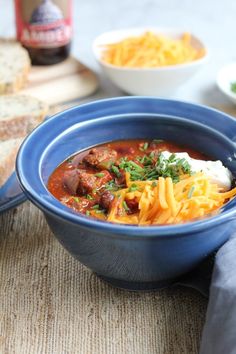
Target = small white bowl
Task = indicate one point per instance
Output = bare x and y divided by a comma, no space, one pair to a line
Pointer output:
147,81
224,78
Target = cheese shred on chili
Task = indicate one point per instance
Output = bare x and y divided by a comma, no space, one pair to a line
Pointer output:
165,202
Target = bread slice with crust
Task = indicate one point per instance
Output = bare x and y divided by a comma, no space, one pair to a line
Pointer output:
19,115
14,66
8,152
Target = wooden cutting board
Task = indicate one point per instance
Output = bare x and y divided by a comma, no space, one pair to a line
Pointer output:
60,83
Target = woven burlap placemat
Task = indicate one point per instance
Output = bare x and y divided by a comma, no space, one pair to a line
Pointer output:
51,304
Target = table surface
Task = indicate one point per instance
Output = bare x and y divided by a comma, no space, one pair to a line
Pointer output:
49,302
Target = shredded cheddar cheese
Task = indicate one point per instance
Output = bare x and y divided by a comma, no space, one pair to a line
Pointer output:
163,202
151,50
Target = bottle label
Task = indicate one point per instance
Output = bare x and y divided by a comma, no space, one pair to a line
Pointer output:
43,23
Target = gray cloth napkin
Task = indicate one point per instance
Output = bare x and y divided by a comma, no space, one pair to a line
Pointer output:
219,333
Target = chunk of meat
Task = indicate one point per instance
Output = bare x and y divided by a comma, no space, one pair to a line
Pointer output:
132,204
76,160
79,182
125,150
71,181
80,204
101,158
106,200
105,177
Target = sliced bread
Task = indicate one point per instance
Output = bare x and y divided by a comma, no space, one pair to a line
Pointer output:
19,114
14,66
8,152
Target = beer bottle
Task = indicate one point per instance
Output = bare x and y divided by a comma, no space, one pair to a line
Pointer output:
44,28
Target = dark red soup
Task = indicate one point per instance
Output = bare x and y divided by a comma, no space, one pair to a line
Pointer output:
88,181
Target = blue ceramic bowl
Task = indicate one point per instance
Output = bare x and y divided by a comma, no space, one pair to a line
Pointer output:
129,256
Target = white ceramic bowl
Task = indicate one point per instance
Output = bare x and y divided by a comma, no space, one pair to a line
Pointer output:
147,81
224,78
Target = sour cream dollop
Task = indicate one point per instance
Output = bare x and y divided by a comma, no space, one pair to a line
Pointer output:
215,170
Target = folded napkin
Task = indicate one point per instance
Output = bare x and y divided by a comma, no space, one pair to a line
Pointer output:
216,278
219,333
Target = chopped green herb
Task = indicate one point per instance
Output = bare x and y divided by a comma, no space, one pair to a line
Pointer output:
123,160
87,212
152,154
171,167
136,176
133,168
112,186
140,158
144,147
135,165
190,193
152,173
152,167
100,175
115,169
145,160
151,170
100,211
76,199
172,158
233,86
179,162
125,206
88,196
124,163
133,187
95,207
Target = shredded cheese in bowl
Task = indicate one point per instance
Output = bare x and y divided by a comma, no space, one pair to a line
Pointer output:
150,50
164,202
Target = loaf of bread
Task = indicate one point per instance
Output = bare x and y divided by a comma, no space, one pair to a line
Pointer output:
14,66
19,115
8,152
